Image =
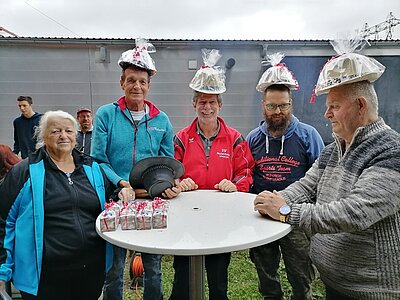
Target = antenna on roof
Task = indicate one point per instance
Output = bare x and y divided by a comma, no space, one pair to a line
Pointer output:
368,31
4,31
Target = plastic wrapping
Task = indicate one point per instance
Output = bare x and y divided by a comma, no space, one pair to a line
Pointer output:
277,74
209,79
108,220
144,214
348,67
160,213
128,216
139,56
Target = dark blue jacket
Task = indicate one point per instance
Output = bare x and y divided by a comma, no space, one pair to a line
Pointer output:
280,161
24,130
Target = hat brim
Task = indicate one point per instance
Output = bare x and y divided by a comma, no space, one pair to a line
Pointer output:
83,110
135,176
371,77
211,91
261,87
124,65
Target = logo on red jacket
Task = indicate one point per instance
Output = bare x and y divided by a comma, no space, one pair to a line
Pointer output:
223,153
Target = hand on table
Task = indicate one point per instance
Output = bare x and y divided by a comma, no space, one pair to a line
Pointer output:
126,194
226,186
172,192
267,203
187,184
2,285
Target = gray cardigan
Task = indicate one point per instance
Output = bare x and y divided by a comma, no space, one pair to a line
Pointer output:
349,203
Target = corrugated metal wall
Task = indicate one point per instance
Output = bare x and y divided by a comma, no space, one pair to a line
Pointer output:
66,74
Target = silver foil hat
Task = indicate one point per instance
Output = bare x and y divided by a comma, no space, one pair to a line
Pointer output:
139,56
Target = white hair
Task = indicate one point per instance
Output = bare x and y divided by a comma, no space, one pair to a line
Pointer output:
366,90
44,123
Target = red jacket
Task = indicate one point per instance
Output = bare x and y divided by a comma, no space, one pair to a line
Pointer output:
230,157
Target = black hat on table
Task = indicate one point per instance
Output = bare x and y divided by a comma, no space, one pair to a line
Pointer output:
155,174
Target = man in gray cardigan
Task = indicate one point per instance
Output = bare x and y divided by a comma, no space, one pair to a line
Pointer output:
349,201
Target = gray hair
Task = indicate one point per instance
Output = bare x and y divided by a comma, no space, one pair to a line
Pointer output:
44,123
365,89
196,95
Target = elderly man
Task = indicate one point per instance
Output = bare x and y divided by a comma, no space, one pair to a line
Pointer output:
349,201
125,132
215,156
84,136
283,149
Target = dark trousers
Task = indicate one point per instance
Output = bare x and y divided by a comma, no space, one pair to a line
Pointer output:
81,284
295,249
217,276
332,294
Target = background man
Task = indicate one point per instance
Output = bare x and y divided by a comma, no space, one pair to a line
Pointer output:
84,136
283,149
349,201
125,132
215,156
24,127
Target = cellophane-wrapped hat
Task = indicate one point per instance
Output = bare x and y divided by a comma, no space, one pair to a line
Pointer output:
209,79
277,74
139,56
348,67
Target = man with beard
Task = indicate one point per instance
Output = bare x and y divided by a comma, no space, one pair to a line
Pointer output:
283,149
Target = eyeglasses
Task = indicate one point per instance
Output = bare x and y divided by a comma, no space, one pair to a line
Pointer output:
273,106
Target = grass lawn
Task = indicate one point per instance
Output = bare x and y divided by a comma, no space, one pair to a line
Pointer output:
242,280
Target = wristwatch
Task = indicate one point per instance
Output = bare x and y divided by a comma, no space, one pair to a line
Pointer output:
284,212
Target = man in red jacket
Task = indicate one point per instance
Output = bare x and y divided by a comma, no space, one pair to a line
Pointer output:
215,156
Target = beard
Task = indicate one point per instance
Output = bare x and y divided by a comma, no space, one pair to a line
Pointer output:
280,124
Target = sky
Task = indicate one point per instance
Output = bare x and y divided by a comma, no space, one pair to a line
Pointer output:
195,19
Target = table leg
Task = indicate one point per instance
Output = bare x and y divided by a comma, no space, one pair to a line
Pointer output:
196,277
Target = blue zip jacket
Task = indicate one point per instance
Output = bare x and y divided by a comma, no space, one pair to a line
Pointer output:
279,161
118,143
22,221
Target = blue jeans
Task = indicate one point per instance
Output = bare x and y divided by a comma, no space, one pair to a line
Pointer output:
114,283
152,277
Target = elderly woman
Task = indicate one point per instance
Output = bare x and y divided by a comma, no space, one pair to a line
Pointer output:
49,203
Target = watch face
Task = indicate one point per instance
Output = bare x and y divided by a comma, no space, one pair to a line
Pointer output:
284,210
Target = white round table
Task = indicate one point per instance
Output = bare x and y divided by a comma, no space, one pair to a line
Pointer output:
199,223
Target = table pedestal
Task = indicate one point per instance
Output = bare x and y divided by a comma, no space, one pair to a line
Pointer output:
196,277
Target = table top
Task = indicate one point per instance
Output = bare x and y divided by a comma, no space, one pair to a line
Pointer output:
203,222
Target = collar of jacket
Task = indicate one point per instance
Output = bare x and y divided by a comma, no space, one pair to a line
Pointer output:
41,153
153,110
